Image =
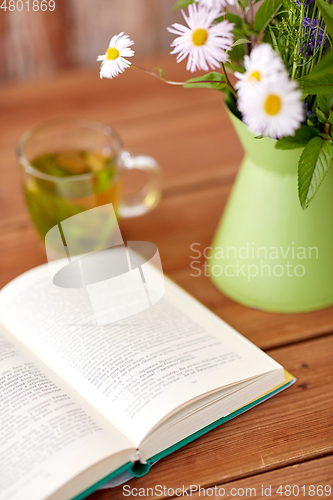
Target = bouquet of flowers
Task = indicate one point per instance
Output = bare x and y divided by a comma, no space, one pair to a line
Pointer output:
280,54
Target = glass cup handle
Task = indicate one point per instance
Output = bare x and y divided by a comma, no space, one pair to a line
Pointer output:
149,196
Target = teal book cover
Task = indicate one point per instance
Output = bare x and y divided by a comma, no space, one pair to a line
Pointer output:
139,469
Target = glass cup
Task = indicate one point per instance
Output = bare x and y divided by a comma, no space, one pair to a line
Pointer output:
73,165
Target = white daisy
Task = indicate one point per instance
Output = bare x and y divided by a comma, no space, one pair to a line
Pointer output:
272,109
113,61
215,4
204,42
261,65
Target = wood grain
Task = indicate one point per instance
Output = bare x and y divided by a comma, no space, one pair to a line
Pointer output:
310,477
267,330
189,133
292,427
183,129
39,43
317,473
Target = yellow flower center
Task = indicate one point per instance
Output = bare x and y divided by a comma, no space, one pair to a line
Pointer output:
112,54
272,104
199,37
255,75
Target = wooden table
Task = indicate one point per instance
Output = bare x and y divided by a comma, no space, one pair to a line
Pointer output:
289,439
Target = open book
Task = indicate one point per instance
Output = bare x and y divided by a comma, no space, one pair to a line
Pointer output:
82,403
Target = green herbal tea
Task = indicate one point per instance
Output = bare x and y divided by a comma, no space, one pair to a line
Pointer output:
52,201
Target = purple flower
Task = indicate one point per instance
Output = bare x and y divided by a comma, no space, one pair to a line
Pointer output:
306,2
308,24
316,39
308,111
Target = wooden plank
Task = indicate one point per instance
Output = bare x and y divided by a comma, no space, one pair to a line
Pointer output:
41,42
59,27
267,330
164,226
146,25
3,62
182,128
21,250
185,167
292,427
188,131
35,41
311,478
132,96
198,212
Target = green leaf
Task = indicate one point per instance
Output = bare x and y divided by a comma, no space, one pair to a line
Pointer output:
321,115
311,84
275,44
239,33
325,103
302,136
240,42
236,56
247,30
324,67
327,12
320,80
314,163
231,102
265,13
211,80
181,4
233,67
330,119
232,18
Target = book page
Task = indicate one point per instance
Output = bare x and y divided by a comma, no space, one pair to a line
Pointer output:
45,437
134,371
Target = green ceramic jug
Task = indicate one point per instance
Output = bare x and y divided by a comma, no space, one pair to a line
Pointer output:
267,252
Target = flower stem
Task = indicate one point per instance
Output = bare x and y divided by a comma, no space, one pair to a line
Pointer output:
159,77
322,46
297,48
170,82
228,81
326,128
